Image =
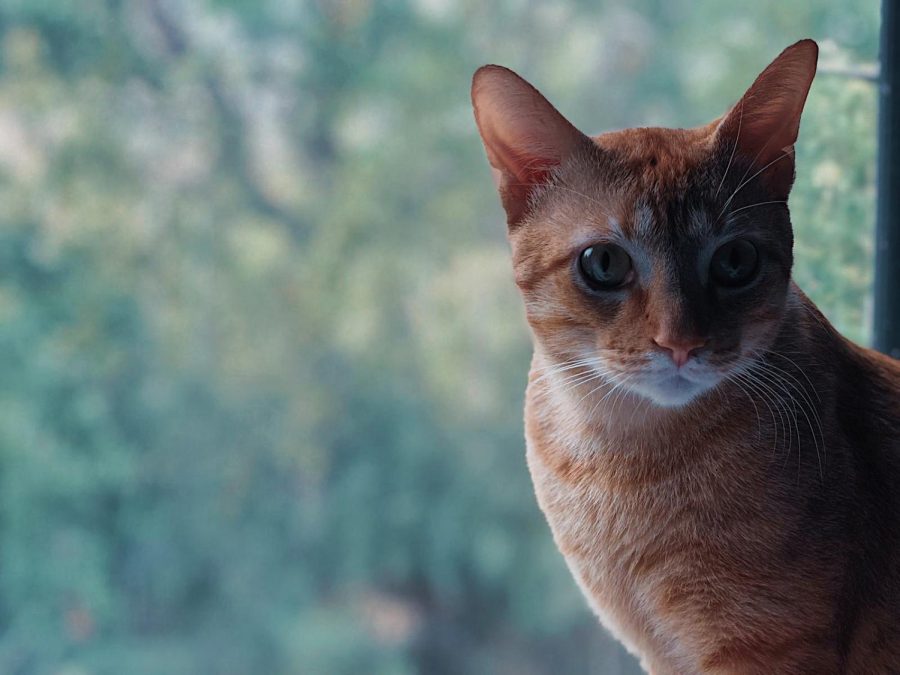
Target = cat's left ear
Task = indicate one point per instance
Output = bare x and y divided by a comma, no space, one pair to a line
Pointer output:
524,135
763,126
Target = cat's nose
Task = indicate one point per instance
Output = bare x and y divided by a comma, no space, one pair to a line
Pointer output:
681,349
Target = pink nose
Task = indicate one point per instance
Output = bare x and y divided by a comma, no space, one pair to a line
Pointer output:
680,349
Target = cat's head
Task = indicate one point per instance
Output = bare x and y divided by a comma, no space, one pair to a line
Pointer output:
661,257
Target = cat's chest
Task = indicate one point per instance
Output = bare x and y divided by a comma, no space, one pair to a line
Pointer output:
638,542
611,506
622,539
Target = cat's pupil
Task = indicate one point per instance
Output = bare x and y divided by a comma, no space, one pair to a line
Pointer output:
734,259
604,266
735,263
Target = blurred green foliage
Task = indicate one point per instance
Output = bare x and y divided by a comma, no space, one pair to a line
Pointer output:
261,357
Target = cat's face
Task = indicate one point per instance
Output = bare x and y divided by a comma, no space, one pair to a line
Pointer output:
639,258
660,258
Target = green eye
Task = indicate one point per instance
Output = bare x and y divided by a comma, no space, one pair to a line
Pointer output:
735,263
604,267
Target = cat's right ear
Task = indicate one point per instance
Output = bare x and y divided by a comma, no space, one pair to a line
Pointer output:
764,124
523,134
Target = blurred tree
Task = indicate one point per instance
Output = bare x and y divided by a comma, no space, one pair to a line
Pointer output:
261,359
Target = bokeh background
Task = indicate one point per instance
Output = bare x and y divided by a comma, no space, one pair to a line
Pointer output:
261,357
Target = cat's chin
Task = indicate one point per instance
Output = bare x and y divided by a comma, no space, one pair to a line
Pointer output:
675,391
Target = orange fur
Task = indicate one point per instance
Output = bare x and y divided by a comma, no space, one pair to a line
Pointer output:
751,526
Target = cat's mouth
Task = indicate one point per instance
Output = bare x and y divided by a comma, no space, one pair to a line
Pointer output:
675,387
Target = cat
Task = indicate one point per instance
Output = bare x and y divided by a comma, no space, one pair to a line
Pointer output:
719,467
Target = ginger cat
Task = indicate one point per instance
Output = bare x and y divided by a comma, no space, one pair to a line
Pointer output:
720,468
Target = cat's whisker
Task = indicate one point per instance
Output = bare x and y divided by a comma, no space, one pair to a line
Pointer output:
793,381
750,206
737,138
784,413
562,186
769,401
615,392
567,362
804,402
804,392
737,381
619,398
565,367
753,161
559,185
799,369
585,378
594,370
747,181
605,383
555,369
617,386
623,394
572,382
643,401
815,316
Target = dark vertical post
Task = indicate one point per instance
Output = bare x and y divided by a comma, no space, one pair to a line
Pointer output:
887,228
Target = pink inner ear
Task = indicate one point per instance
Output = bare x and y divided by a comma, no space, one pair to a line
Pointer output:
768,127
523,158
523,134
516,174
764,124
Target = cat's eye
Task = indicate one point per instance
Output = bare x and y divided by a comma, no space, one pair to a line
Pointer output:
735,263
604,267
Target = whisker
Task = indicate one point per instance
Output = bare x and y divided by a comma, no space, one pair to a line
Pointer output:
814,315
559,185
750,206
572,382
799,369
593,391
745,182
788,388
551,371
736,379
616,387
737,138
643,400
768,403
805,401
770,400
778,401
